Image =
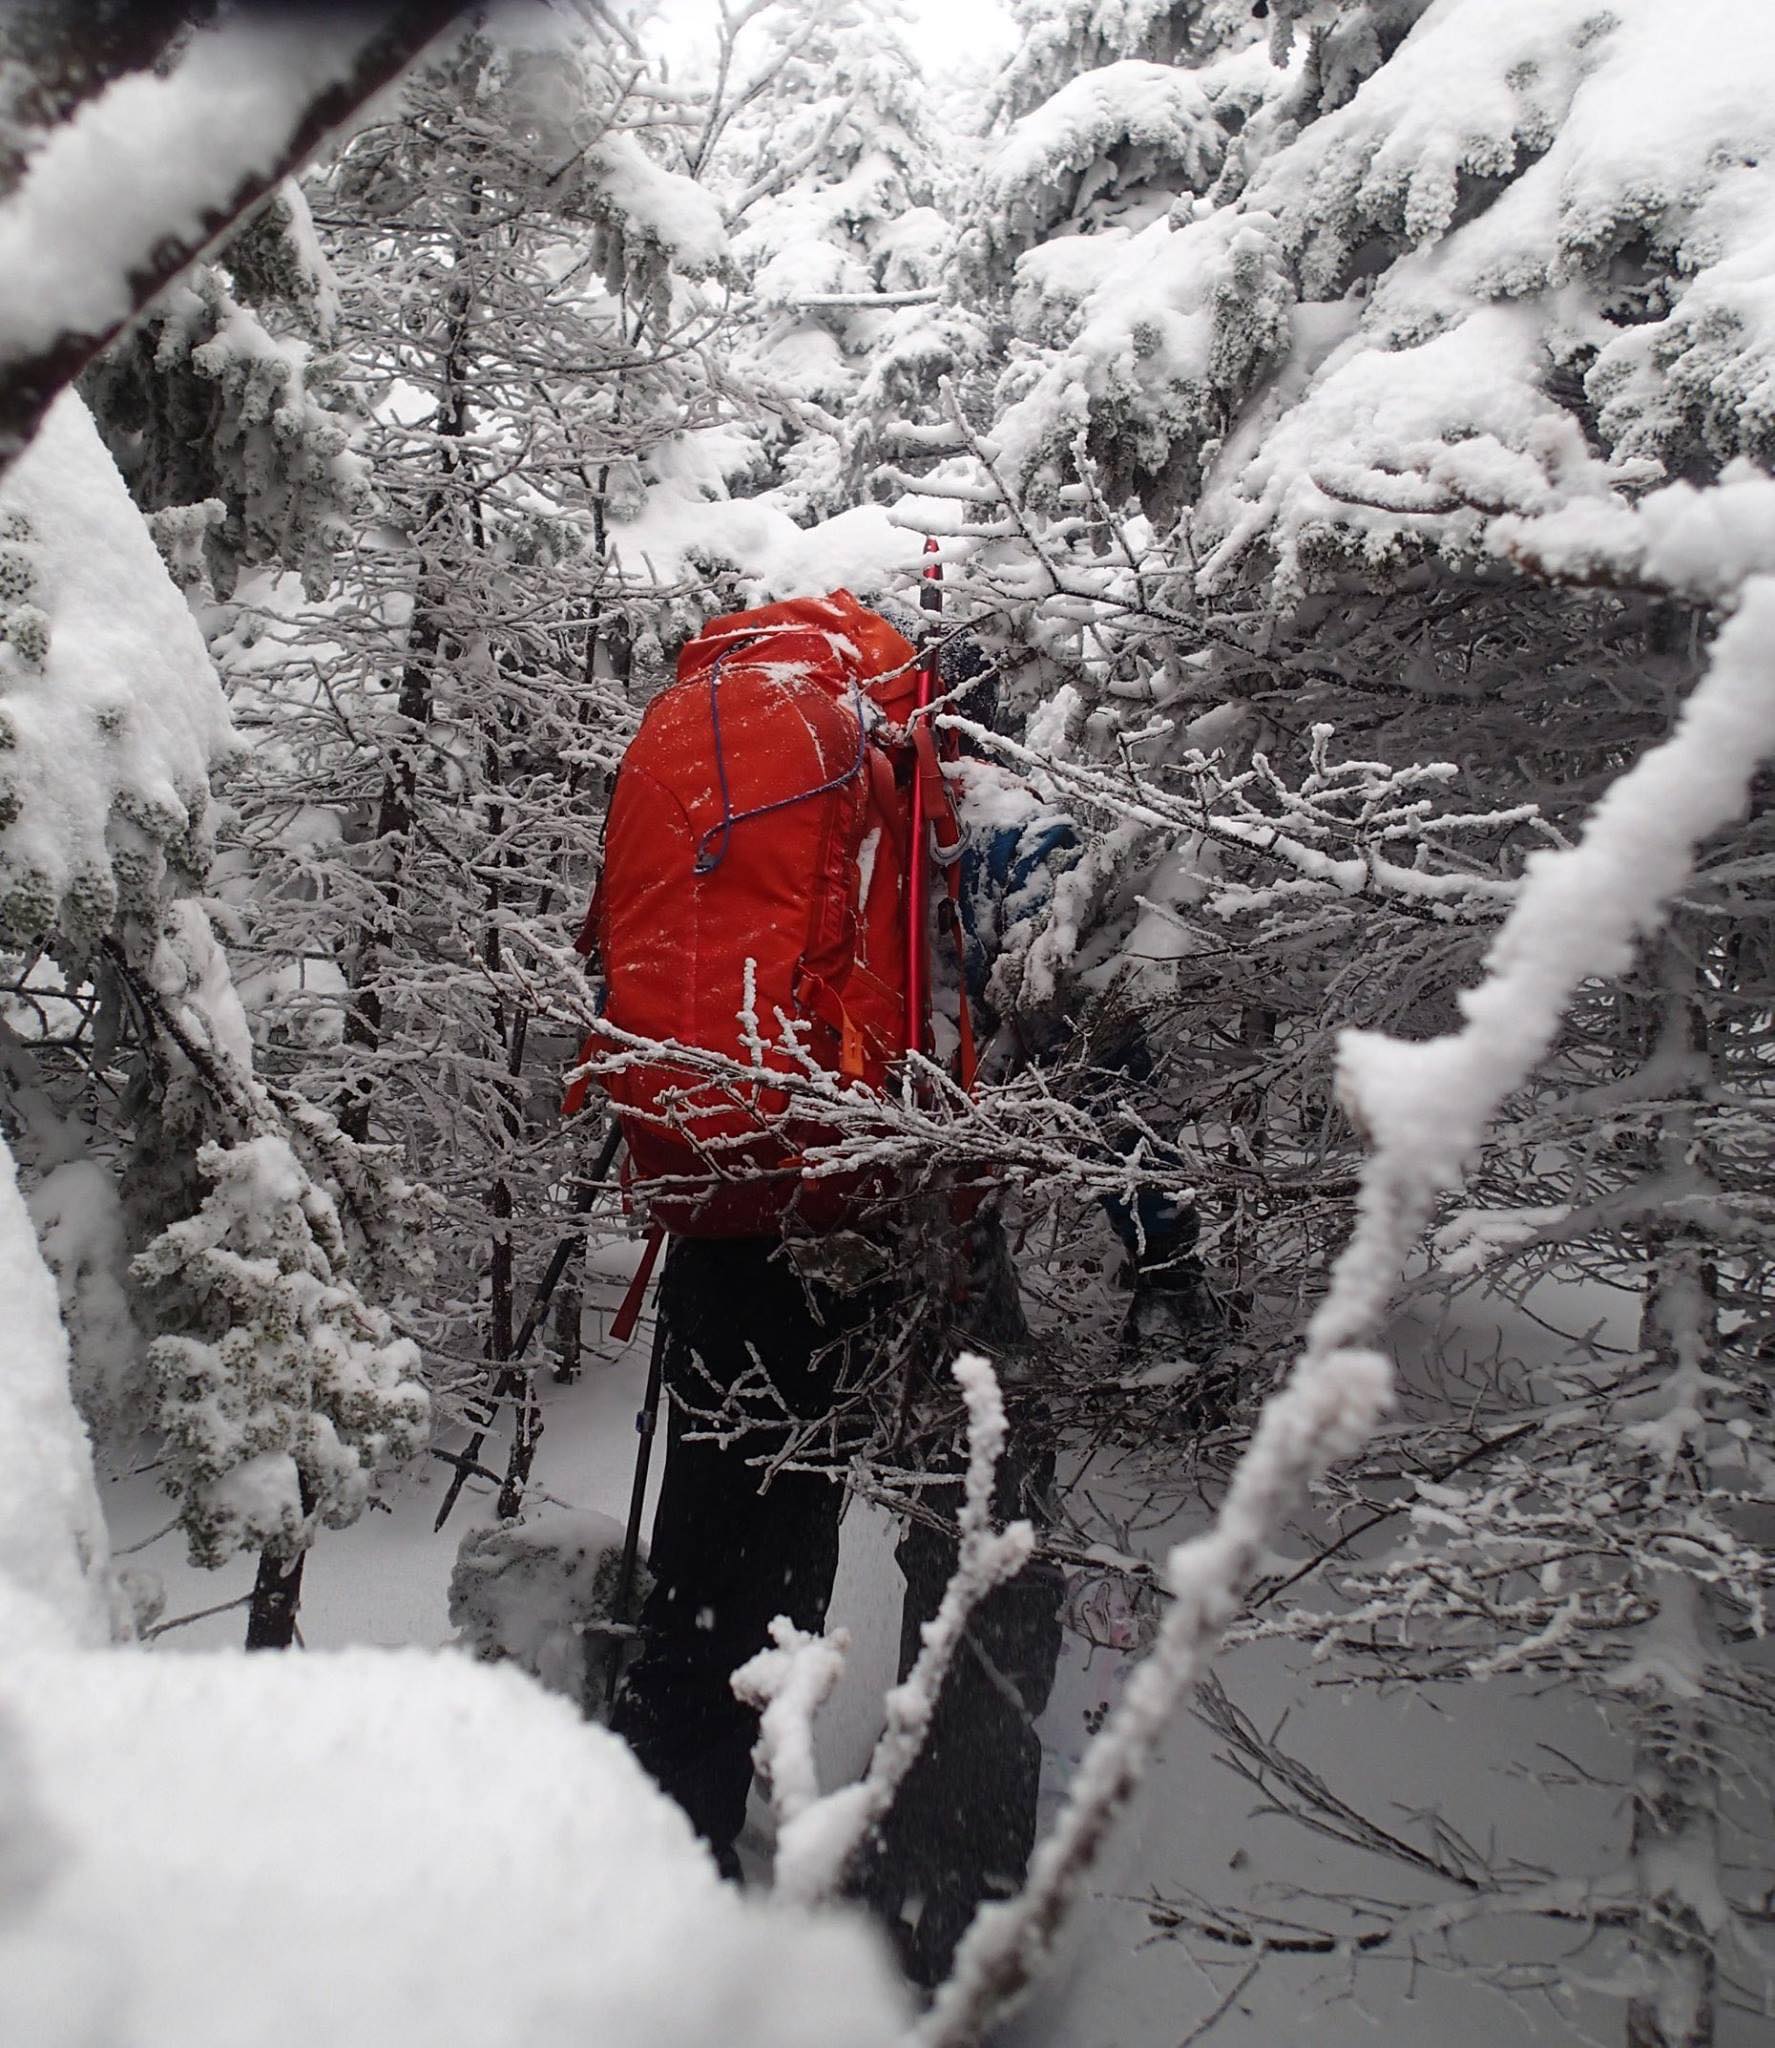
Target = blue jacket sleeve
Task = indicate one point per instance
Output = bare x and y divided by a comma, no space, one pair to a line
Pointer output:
1008,877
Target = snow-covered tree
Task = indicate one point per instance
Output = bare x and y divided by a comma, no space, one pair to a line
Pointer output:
1264,476
522,335
276,1425
210,405
126,1048
1060,41
113,719
816,133
126,1045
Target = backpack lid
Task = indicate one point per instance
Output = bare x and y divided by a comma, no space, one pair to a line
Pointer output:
879,657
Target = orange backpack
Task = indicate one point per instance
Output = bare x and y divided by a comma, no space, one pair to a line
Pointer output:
753,892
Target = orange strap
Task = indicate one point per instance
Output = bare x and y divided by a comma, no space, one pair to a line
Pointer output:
885,795
938,803
816,995
623,1328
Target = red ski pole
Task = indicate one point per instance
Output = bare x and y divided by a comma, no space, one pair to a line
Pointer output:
918,866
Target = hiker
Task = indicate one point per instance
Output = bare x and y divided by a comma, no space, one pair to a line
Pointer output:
762,1336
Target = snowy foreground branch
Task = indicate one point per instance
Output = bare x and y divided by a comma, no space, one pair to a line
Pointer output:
819,1838
144,179
1425,1107
1024,1131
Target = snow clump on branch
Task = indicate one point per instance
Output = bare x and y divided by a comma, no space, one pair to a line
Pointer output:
1508,267
110,714
276,1427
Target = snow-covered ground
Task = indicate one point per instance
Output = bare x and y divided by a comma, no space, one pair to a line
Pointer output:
1483,1757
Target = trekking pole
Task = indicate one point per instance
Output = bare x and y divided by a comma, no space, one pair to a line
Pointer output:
646,1422
511,1378
918,865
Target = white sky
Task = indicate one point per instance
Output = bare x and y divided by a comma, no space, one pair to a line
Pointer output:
946,32
978,28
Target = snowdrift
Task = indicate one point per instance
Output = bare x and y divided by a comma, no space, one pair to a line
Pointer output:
372,1847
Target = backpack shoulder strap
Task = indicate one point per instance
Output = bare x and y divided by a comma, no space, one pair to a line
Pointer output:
884,796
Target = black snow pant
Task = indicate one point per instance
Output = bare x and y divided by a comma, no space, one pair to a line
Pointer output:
730,1552
727,1557
963,1824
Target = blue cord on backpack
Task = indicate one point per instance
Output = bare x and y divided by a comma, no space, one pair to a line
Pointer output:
706,862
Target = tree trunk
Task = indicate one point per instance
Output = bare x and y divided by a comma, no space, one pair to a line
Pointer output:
397,808
1676,1788
394,823
277,1595
568,1316
1675,1854
277,1592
